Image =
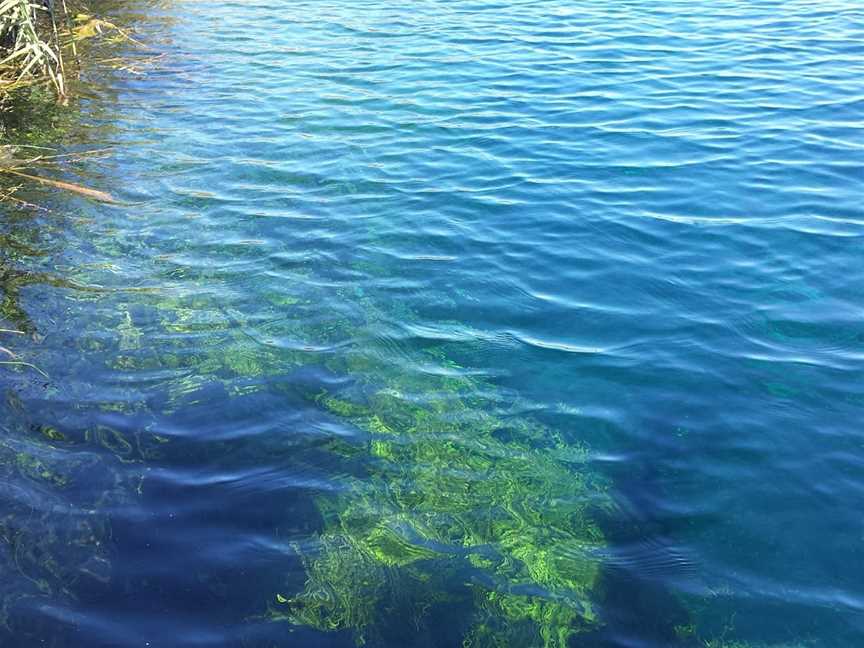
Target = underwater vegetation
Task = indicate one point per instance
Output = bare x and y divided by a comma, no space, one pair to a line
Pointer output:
453,492
445,501
56,487
449,487
691,636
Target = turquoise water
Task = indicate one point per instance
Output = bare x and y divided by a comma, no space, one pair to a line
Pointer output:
447,323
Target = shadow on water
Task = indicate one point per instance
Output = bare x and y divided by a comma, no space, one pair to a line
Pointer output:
208,538
637,602
187,537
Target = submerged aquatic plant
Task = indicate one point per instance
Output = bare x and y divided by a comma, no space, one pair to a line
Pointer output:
53,538
455,498
443,500
513,519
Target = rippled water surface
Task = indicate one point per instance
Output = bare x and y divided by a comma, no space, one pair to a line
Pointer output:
447,323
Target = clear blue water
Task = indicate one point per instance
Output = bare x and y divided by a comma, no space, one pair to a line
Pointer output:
536,288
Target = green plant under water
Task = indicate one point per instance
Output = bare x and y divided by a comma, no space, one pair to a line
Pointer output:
444,499
454,492
453,502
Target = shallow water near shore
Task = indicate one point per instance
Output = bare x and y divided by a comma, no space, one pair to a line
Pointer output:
444,324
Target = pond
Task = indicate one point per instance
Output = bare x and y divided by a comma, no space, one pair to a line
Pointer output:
442,324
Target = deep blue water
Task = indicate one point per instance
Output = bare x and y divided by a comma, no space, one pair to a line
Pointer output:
538,288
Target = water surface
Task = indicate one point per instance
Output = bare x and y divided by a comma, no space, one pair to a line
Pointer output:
447,323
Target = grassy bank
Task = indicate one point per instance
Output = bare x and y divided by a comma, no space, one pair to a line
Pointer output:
32,49
41,52
39,44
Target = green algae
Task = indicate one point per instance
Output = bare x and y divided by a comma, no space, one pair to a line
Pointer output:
712,624
33,467
459,501
455,495
452,499
112,440
459,492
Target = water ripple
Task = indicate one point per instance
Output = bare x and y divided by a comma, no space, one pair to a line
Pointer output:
620,237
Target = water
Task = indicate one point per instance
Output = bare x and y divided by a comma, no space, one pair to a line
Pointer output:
435,323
